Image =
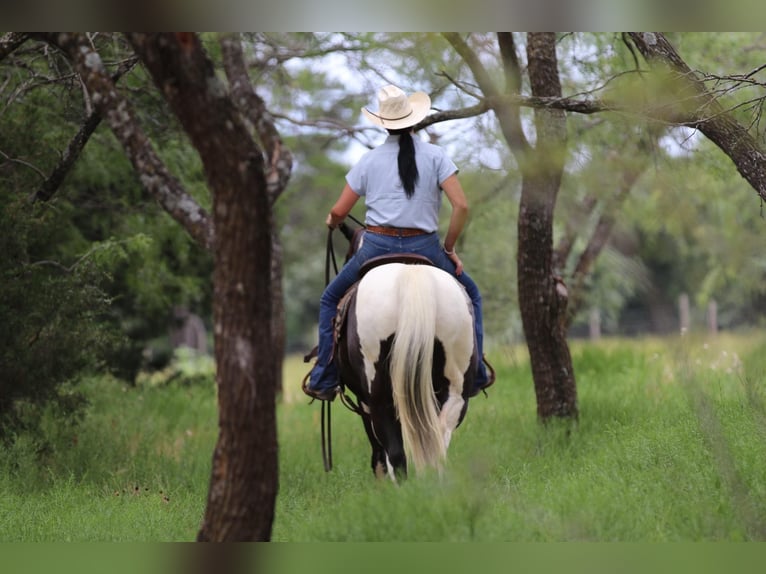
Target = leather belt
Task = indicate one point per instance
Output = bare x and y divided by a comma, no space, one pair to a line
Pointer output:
396,231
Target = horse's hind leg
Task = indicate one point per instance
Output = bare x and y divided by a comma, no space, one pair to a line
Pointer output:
378,459
453,409
384,421
388,432
451,413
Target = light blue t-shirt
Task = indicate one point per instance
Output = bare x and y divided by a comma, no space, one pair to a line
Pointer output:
376,177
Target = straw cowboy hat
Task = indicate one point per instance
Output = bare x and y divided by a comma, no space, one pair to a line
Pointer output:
396,111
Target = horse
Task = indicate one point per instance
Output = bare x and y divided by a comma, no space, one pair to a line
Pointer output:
405,347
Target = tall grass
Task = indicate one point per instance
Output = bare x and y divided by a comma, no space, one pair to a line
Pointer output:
136,469
670,446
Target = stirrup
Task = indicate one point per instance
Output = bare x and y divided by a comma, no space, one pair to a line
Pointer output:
319,395
490,376
490,379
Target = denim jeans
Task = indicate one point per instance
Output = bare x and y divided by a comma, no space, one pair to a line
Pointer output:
324,375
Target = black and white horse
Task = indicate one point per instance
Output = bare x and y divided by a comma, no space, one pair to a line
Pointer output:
407,352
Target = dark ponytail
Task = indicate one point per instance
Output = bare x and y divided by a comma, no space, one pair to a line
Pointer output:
408,168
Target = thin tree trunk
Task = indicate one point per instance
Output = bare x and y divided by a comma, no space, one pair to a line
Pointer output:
601,234
542,295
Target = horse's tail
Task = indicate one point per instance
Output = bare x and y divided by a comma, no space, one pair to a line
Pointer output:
411,369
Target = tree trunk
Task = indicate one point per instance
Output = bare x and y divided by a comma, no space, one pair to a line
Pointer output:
278,322
280,160
542,295
244,481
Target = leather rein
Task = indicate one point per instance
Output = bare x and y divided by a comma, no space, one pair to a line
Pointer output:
348,402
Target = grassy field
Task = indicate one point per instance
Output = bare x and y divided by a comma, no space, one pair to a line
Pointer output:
670,446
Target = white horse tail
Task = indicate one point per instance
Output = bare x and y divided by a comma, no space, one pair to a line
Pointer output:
411,369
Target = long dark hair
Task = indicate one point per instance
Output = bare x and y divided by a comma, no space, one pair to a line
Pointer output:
408,169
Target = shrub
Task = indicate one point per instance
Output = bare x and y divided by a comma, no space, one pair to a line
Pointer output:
51,324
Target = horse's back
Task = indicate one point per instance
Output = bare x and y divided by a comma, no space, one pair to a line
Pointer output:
381,290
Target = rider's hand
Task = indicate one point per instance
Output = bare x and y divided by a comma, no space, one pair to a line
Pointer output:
330,223
456,260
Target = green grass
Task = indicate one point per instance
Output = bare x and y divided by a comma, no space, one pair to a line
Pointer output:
670,446
136,469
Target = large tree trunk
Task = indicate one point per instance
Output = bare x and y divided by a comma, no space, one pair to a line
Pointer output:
278,171
542,295
244,479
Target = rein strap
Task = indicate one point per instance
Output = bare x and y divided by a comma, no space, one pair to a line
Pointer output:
326,417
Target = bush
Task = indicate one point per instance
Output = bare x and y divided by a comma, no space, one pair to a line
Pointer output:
52,324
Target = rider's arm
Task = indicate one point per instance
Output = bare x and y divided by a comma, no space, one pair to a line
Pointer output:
348,197
454,192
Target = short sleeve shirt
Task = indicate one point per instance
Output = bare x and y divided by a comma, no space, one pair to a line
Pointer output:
376,177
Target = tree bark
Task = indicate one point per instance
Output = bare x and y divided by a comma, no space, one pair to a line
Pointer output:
252,107
244,479
542,295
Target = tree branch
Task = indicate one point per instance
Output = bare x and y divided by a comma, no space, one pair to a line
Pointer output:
252,107
117,111
68,159
510,62
10,41
505,108
24,163
77,143
478,70
459,114
707,115
574,224
601,234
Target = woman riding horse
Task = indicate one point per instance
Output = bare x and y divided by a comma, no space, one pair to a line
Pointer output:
401,181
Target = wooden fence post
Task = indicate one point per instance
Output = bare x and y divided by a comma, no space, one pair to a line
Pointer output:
594,324
712,317
683,312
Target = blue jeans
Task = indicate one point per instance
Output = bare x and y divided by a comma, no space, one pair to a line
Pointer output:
324,375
